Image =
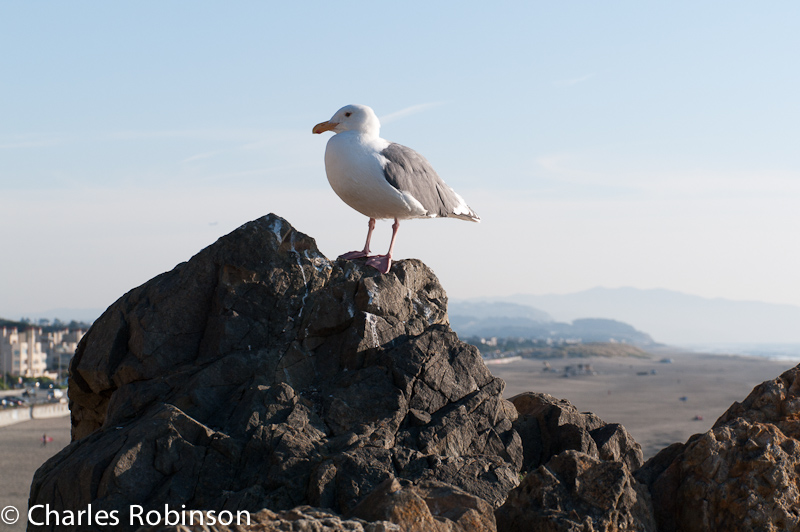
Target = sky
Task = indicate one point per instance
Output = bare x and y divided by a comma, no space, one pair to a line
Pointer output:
625,143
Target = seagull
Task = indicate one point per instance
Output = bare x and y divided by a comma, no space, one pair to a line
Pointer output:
382,179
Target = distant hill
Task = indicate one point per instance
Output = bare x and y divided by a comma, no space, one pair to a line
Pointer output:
55,325
591,349
673,317
504,320
10,324
493,309
85,315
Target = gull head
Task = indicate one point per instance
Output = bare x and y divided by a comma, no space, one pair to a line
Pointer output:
359,118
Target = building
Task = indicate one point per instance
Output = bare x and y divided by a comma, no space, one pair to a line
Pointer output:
21,353
60,346
29,353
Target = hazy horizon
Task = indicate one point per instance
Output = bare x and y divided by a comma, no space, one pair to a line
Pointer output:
672,318
499,297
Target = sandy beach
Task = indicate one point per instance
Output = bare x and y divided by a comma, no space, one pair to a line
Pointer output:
658,403
21,454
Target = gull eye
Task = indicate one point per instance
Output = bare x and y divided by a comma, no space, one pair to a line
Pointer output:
347,114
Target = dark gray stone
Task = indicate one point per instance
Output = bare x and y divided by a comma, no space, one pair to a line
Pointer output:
575,492
259,374
549,426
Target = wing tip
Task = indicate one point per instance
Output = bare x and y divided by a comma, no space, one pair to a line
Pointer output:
469,216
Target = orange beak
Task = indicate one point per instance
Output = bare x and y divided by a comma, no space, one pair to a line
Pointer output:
324,126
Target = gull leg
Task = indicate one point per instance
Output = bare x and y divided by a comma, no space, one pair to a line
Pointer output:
365,253
383,263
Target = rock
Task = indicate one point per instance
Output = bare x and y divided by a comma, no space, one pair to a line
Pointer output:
300,519
429,506
549,426
576,492
261,375
579,472
742,474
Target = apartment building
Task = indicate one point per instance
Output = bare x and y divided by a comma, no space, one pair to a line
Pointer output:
21,353
60,346
29,353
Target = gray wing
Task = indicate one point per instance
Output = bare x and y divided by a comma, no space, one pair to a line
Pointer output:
410,172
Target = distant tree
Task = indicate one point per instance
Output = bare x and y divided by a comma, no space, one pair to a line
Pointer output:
45,382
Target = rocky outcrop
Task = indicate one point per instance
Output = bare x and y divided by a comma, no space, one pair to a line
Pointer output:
261,375
549,426
579,473
575,492
429,506
394,506
742,475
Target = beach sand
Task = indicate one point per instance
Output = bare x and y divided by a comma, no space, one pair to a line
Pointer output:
21,454
647,404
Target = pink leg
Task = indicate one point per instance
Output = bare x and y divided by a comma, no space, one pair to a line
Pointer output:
383,263
365,253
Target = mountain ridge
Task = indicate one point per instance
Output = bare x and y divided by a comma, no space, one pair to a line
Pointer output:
65,314
670,316
673,317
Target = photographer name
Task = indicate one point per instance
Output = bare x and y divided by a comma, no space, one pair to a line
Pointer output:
42,515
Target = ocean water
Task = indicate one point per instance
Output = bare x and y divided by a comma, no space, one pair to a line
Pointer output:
766,350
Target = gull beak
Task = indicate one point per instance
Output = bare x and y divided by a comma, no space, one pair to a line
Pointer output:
324,126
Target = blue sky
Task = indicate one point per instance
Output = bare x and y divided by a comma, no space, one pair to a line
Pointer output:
641,144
